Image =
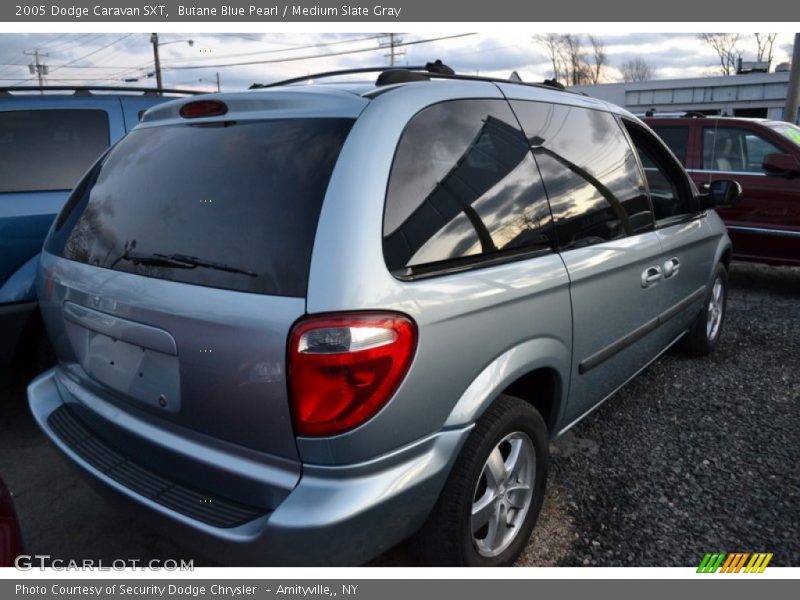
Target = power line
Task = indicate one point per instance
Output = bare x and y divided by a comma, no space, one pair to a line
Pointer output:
89,54
116,41
51,41
310,56
80,40
274,51
392,41
133,67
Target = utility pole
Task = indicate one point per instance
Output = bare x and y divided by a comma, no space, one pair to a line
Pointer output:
793,93
38,69
392,43
154,41
219,89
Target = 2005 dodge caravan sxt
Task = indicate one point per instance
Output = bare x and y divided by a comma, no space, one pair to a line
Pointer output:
302,324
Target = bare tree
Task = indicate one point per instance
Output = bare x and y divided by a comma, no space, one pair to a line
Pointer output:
636,69
764,44
725,45
599,59
572,62
575,59
553,45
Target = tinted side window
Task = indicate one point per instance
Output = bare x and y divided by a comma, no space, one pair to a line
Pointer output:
670,193
42,150
589,170
676,138
734,149
463,185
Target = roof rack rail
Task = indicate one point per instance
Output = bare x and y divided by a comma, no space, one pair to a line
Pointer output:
88,89
326,74
431,70
689,114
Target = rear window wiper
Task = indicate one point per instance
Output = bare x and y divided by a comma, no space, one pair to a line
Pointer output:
181,261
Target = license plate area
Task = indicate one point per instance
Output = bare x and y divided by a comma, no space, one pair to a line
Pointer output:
135,371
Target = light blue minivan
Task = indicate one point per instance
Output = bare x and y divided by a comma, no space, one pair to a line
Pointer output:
298,325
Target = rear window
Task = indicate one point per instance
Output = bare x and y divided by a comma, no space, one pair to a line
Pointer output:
231,205
46,150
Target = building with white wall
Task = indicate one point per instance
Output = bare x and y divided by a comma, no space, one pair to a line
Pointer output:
746,95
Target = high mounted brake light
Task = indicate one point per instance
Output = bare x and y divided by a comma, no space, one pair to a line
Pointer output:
203,108
344,368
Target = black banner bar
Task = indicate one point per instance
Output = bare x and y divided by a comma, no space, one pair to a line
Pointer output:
389,11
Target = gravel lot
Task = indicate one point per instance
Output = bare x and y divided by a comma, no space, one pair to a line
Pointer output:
693,456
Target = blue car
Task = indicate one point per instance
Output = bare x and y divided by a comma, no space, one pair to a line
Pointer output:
47,142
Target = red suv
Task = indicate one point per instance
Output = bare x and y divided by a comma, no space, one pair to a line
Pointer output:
764,157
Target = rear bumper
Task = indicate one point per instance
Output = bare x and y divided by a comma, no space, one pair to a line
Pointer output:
342,515
13,318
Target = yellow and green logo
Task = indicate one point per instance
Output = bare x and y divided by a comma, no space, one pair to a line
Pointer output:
734,562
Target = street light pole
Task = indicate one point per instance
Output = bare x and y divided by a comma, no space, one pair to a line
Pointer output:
154,41
157,59
793,93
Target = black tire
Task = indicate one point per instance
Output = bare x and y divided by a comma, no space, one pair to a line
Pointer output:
699,341
446,538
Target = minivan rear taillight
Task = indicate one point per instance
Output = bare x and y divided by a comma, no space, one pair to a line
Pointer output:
344,368
203,108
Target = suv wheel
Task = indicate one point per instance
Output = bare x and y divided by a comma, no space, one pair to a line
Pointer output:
493,495
704,335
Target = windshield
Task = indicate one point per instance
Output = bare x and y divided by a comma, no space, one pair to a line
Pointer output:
787,130
232,205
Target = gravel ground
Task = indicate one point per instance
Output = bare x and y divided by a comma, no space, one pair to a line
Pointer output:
696,455
693,456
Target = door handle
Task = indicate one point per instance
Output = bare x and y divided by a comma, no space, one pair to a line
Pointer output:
671,267
651,276
706,186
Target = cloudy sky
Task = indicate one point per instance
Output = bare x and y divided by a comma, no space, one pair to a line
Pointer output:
111,58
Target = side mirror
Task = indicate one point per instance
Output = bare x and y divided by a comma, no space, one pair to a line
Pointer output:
781,164
722,192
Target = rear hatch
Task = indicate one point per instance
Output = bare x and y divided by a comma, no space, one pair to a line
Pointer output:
175,271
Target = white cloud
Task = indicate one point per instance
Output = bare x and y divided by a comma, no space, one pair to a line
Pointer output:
672,55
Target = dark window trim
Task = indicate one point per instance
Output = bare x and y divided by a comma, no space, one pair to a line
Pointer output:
469,263
696,210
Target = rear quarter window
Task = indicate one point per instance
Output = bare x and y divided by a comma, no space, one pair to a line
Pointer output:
47,150
464,189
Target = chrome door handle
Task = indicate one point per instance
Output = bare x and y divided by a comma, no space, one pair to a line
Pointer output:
671,267
651,276
706,186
